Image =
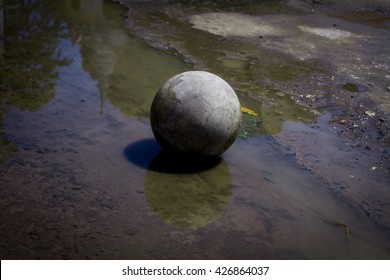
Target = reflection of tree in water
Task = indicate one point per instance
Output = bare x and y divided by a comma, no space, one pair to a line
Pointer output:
28,57
128,73
90,28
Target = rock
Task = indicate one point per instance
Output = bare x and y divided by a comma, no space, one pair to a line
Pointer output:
196,113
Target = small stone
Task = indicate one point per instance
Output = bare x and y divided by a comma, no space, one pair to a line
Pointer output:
196,113
315,112
370,113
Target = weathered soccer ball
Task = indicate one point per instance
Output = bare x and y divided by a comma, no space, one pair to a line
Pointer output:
196,113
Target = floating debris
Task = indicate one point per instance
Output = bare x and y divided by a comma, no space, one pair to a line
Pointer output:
248,111
370,113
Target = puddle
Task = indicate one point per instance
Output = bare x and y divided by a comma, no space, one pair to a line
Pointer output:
238,64
82,177
188,201
353,87
370,18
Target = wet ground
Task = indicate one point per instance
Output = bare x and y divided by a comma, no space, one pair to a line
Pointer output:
82,177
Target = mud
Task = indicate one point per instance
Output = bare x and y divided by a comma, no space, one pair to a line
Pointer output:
81,176
328,58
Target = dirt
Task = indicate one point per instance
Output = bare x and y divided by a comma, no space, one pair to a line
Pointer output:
330,59
82,177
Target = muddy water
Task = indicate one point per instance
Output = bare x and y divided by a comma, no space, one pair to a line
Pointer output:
82,177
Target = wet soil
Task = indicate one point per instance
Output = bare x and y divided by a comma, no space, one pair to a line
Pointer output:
325,57
81,176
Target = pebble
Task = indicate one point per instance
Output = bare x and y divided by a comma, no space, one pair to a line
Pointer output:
370,113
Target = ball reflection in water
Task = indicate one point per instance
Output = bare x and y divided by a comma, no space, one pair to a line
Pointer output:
185,193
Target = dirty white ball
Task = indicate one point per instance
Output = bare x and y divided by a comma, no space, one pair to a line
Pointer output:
196,113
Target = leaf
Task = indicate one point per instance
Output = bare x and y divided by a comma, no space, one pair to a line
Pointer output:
248,111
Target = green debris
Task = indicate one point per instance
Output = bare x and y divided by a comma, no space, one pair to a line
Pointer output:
251,126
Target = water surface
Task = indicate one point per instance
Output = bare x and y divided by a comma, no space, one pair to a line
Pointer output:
83,178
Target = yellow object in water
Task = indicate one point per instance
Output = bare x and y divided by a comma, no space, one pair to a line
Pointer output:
248,111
